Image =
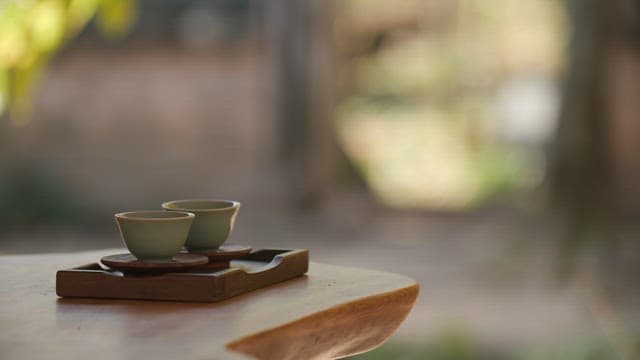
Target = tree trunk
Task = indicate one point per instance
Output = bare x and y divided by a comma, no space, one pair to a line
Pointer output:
589,165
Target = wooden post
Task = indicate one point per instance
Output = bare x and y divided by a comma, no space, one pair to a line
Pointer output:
303,64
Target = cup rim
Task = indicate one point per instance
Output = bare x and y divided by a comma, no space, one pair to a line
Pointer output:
231,205
138,215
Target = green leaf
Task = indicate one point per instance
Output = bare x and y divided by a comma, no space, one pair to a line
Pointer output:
13,35
80,12
47,22
4,89
115,17
22,90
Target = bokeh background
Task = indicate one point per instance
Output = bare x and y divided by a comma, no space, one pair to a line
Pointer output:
485,148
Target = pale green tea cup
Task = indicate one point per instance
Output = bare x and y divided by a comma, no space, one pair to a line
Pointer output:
212,225
154,236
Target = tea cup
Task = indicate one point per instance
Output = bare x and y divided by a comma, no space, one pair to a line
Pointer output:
214,220
154,236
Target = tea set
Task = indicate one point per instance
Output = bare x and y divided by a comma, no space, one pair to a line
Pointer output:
156,238
178,253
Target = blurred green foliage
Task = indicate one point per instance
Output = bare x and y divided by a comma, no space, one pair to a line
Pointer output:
416,155
450,345
33,197
457,346
32,31
581,349
420,120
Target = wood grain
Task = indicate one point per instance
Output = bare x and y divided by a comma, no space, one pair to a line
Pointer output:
332,312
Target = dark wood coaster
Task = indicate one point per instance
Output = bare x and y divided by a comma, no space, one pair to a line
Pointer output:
128,262
225,253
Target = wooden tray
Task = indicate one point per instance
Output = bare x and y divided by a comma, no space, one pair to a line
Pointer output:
203,284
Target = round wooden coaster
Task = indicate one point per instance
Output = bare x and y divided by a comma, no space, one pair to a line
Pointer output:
128,262
224,252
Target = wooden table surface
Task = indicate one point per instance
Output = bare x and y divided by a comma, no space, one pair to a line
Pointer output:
331,312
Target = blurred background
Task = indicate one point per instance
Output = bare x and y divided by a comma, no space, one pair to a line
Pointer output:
485,148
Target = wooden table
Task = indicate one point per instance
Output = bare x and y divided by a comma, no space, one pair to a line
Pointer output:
332,312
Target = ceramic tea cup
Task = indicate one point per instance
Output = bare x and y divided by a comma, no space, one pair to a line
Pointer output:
154,236
212,225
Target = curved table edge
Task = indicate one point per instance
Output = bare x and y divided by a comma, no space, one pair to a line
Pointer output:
336,332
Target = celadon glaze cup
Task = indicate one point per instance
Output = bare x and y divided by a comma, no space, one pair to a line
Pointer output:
212,225
154,236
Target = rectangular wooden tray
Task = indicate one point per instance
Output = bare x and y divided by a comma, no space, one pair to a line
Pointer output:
205,284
